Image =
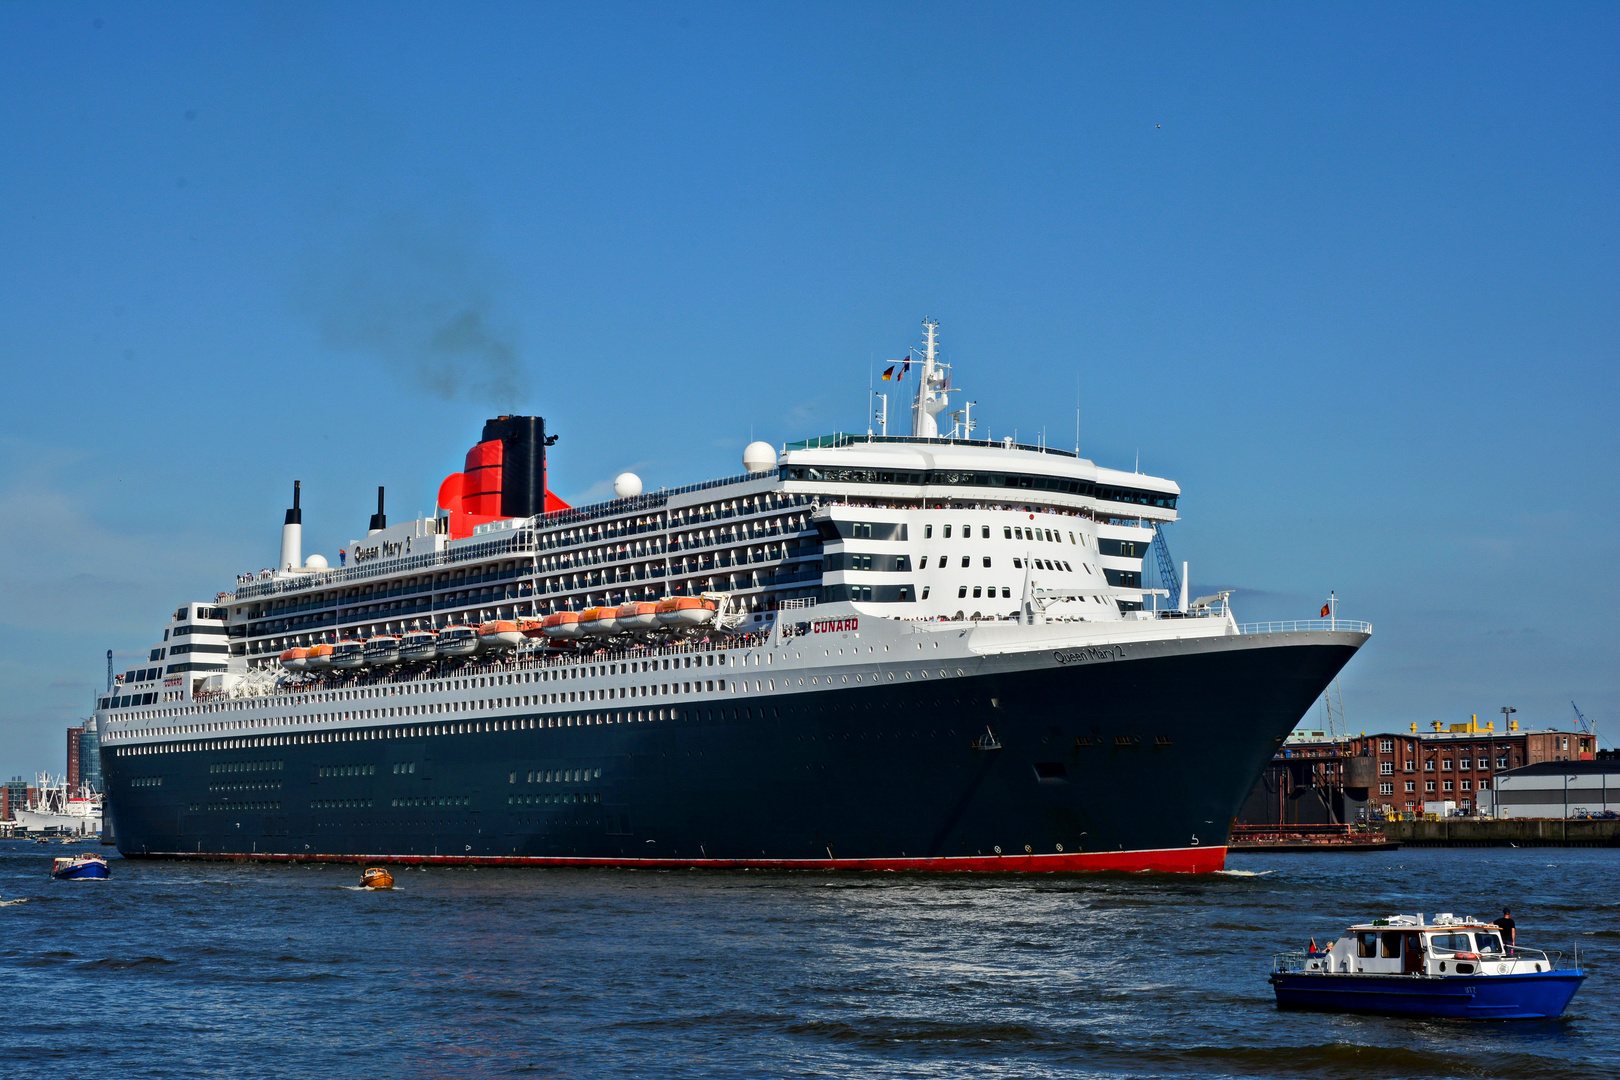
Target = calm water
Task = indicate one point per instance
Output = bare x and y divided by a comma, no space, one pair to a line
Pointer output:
215,970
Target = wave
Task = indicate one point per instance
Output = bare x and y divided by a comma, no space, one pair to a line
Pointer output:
1245,873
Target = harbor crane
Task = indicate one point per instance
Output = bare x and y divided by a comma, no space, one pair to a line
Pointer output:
1584,725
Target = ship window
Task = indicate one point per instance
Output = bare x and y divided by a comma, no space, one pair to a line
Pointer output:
975,592
1390,944
947,532
1487,943
1006,593
1367,943
967,532
1450,943
987,560
923,563
928,534
961,592
984,532
966,560
1006,532
926,590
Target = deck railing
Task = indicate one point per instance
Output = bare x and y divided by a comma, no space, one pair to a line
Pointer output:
1297,626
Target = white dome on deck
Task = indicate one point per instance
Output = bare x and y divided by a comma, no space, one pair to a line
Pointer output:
315,562
759,457
627,485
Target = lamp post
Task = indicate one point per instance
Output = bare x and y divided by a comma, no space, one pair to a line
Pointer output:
1506,712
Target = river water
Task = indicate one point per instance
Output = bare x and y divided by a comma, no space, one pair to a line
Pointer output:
180,970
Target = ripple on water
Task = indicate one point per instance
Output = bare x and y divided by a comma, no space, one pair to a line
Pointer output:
589,973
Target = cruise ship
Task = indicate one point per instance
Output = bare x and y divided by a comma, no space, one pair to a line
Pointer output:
907,652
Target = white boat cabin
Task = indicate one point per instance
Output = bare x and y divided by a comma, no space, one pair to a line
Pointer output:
1407,945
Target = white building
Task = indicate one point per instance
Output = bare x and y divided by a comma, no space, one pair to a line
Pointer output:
1554,789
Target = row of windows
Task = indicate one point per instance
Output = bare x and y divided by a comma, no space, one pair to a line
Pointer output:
1429,786
555,800
146,781
340,804
957,478
559,776
403,767
274,786
1008,532
347,770
246,766
193,647
235,806
433,800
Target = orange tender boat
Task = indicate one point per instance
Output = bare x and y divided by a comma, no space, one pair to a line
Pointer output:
563,625
685,612
500,634
377,877
637,617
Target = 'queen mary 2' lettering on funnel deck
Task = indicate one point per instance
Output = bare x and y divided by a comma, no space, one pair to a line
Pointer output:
910,652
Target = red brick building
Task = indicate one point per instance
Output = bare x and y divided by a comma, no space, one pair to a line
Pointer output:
1412,768
1315,779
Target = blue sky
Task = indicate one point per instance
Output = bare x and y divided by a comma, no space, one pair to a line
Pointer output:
1347,273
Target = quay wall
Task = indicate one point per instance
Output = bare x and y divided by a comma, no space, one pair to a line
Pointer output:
1506,832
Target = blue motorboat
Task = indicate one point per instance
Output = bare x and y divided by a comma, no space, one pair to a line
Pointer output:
1453,967
79,868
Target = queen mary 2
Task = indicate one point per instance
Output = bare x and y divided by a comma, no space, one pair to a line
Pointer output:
918,652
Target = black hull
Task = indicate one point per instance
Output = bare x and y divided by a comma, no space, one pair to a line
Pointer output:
1132,764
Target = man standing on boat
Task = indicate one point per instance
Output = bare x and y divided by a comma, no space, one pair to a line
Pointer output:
1507,926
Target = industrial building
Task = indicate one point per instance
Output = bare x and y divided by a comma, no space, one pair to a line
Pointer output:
1316,778
1555,789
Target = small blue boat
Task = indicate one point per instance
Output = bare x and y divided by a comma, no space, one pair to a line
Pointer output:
79,868
1452,967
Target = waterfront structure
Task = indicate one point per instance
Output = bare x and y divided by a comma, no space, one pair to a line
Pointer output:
14,795
1317,778
878,651
1555,789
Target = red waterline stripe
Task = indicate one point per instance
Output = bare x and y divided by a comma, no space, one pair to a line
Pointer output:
1194,860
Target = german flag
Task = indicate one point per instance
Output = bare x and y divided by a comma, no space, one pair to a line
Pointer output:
888,373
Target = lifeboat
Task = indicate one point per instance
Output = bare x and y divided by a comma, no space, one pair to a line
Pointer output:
500,634
561,626
418,645
382,650
349,654
637,618
377,877
318,656
685,612
599,621
458,641
295,659
531,628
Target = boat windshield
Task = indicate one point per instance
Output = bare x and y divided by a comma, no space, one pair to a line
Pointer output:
1488,943
1451,943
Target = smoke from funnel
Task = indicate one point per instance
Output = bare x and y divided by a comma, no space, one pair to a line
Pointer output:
422,300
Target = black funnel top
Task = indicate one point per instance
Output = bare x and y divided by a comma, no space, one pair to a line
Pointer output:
295,516
523,463
379,520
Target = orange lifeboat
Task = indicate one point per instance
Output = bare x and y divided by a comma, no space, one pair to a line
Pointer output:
295,659
599,621
562,625
685,612
318,656
531,628
637,618
377,877
500,634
